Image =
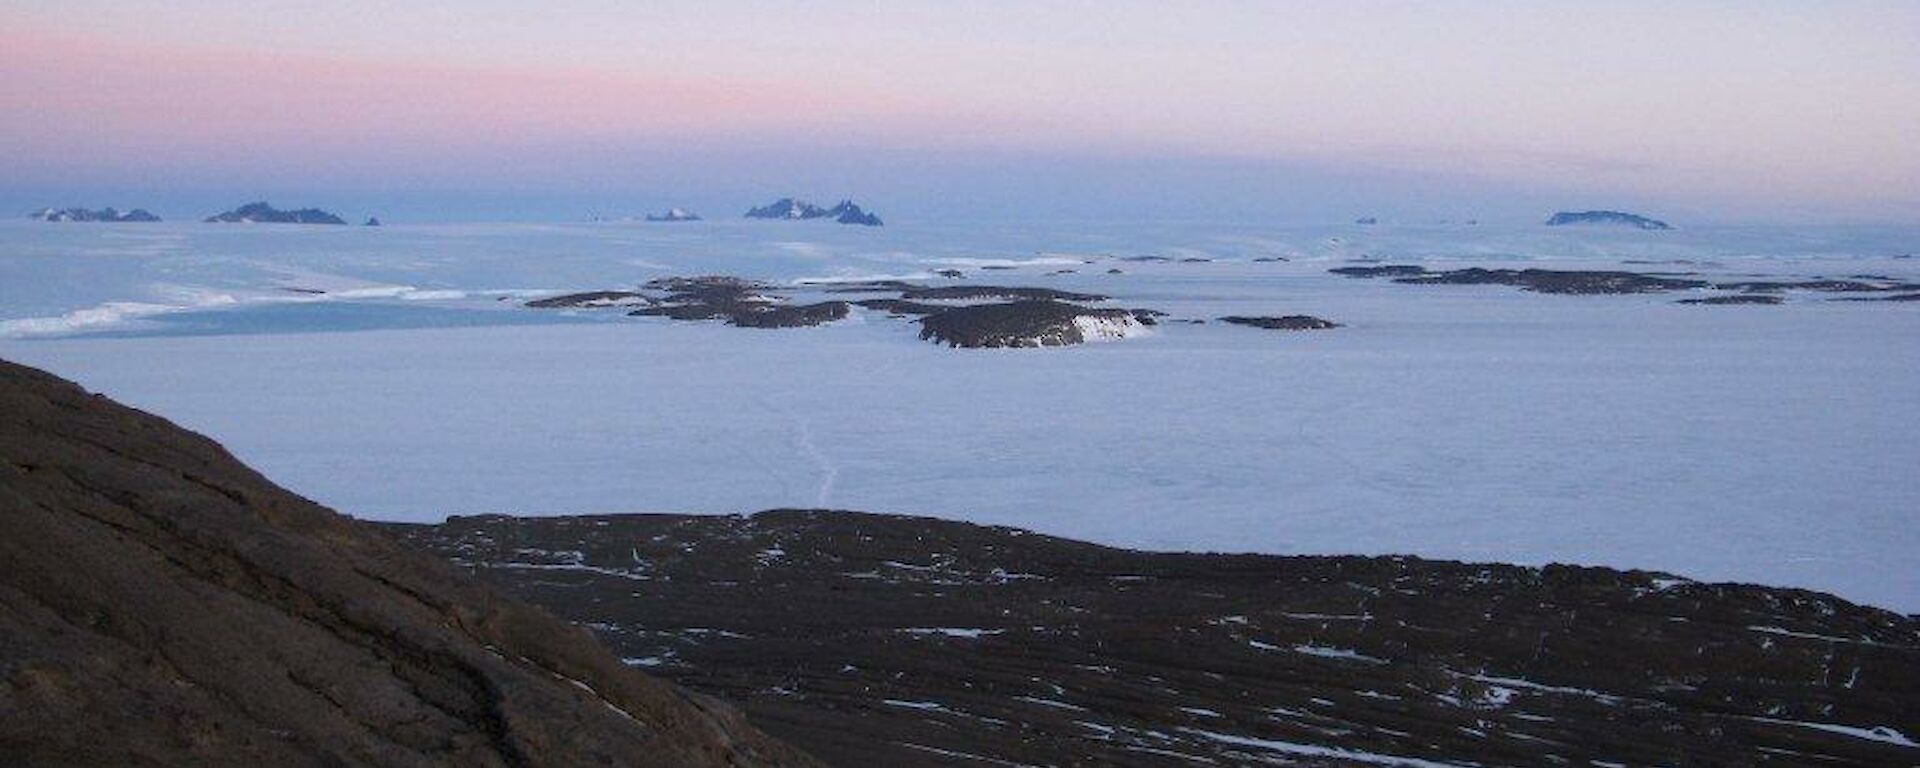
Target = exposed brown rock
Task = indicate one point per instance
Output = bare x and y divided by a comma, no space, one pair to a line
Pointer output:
161,604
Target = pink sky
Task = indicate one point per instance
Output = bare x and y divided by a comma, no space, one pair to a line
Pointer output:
1747,104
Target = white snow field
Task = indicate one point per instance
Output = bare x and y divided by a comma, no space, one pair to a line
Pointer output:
1770,444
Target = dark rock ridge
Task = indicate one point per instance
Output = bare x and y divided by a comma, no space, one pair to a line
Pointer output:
1895,297
1540,280
262,213
902,306
1872,285
994,293
1738,298
1609,218
846,212
1367,221
1558,281
1388,270
1283,323
372,221
1607,281
82,214
591,299
1033,323
674,214
161,604
884,640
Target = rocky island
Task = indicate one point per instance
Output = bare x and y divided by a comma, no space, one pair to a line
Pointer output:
262,213
787,208
139,215
673,214
1606,218
1029,323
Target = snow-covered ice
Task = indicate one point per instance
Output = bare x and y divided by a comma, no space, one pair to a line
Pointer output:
392,373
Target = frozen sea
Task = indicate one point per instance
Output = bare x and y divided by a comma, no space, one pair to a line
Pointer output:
393,373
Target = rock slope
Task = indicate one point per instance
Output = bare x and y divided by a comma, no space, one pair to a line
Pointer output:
885,640
161,604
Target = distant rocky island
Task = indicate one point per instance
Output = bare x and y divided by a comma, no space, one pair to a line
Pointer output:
1607,218
82,214
787,208
262,213
674,214
372,221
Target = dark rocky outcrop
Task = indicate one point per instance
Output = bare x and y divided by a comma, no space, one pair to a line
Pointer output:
161,604
994,293
591,299
1389,270
1033,323
1895,297
790,315
1367,221
901,306
885,640
1606,218
1872,285
262,213
740,302
372,221
1283,323
137,215
1540,280
1740,298
953,274
1557,280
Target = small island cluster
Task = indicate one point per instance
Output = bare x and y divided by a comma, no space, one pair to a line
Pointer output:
783,209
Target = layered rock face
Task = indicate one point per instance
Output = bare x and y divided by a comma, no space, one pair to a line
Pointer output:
160,603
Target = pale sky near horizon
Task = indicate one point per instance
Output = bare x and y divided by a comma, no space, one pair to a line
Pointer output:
1805,108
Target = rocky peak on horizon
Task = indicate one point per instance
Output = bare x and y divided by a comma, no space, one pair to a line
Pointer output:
108,214
791,209
263,213
674,214
1609,218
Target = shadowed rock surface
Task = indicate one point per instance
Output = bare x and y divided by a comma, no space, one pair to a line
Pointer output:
1025,324
886,640
1745,298
161,604
1283,323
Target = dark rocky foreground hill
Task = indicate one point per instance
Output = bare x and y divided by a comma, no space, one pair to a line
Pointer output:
161,604
885,640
